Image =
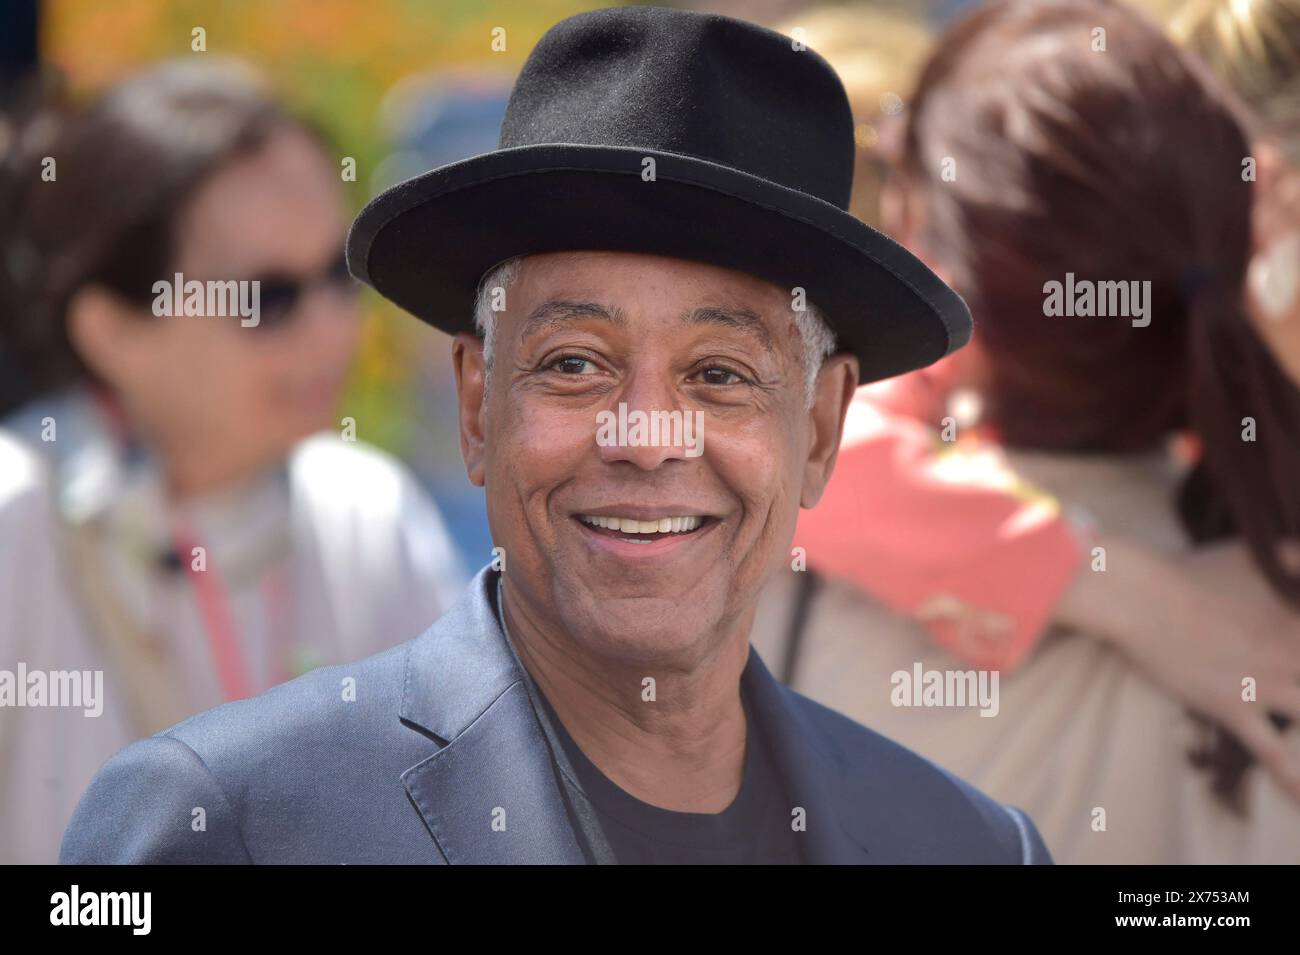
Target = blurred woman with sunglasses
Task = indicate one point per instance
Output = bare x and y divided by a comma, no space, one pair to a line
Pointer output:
172,512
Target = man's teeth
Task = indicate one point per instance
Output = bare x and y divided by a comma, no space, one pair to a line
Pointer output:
630,525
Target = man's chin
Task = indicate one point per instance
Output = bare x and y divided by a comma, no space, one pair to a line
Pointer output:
642,628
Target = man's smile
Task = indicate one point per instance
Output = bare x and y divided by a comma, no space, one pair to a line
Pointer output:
640,532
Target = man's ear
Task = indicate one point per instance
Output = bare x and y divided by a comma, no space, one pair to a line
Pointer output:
471,380
105,334
832,395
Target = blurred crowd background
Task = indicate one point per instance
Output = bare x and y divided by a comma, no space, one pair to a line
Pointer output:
405,85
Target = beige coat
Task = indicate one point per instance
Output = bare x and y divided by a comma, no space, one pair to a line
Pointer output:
1079,731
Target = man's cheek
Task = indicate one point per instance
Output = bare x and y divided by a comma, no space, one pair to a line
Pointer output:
544,432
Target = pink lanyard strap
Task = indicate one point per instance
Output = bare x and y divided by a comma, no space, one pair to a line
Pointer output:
210,592
211,599
218,621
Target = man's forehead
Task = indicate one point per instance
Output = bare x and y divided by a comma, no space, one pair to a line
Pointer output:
557,289
556,313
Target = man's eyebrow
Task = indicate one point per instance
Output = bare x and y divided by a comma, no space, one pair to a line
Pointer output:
557,312
739,317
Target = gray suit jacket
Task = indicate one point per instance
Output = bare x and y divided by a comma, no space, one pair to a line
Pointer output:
420,753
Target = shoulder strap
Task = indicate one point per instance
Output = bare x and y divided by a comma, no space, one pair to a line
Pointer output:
805,591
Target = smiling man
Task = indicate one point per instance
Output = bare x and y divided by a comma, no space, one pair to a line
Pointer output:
662,231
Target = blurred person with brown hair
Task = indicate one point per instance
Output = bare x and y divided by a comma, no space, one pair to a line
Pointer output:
950,538
878,50
1255,48
177,528
1031,155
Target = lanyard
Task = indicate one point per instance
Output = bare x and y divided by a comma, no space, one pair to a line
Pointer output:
209,589
211,598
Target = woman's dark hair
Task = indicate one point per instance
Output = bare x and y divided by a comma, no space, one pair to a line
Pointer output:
1247,483
1078,141
1083,141
1248,488
124,170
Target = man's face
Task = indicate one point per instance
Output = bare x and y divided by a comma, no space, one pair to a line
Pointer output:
584,332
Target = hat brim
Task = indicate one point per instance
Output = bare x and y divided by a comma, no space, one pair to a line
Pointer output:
426,243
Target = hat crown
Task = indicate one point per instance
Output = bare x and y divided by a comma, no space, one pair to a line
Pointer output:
702,85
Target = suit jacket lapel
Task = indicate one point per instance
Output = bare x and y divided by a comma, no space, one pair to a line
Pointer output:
490,794
813,775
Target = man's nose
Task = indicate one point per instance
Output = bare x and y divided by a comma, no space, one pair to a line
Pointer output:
646,424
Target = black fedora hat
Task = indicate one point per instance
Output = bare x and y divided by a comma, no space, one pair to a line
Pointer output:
752,146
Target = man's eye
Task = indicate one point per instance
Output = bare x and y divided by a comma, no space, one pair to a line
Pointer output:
717,375
571,365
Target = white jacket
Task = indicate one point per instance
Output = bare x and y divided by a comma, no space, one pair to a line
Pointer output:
358,554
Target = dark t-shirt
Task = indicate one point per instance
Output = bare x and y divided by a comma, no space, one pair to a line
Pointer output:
755,828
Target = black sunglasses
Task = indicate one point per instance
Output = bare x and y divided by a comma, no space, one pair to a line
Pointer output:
280,295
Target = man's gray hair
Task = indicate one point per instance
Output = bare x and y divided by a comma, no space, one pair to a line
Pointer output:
818,339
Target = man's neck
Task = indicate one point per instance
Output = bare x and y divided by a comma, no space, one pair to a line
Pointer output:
683,750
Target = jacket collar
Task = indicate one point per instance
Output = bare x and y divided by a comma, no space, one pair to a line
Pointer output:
490,794
815,777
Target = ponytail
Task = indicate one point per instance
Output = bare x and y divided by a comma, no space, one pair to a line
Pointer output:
1247,483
